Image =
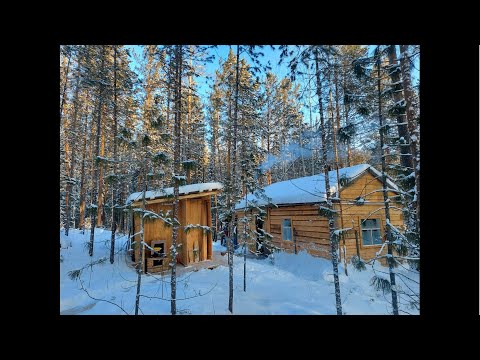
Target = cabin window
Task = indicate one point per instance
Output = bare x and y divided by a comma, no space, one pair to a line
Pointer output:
287,229
371,232
158,252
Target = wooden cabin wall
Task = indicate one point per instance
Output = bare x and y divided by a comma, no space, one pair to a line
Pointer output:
191,211
312,233
197,211
368,187
208,205
311,229
155,230
194,216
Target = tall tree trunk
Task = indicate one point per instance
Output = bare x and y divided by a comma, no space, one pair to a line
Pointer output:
394,72
114,184
335,148
412,127
141,246
100,183
312,128
64,91
234,182
304,171
337,110
91,169
97,152
176,162
347,121
269,171
73,144
331,220
245,245
219,162
189,125
385,195
81,222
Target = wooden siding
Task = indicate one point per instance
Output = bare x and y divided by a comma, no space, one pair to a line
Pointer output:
368,187
311,230
195,245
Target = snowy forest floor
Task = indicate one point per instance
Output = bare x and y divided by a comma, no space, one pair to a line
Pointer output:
293,284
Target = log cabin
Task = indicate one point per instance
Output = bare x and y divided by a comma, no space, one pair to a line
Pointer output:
292,213
194,209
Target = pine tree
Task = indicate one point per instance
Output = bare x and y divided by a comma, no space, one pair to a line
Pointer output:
93,205
176,164
73,130
412,127
398,108
329,207
141,259
114,140
384,188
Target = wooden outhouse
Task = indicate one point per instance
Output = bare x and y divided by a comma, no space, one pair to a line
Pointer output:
295,222
194,209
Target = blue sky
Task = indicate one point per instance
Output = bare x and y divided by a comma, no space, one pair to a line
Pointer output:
221,53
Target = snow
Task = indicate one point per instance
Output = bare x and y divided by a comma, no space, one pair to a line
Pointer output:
337,232
183,190
293,284
309,189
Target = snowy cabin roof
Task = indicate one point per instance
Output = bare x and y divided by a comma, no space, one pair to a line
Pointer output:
182,190
310,189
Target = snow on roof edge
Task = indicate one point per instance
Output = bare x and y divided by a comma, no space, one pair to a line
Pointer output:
182,190
310,189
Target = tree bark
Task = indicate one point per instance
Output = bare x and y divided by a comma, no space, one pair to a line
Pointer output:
337,107
394,72
73,145
176,161
81,222
97,151
234,182
335,148
100,183
64,91
141,246
412,127
385,195
331,220
114,184
347,122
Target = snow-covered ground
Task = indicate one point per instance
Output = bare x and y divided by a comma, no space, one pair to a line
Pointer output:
293,284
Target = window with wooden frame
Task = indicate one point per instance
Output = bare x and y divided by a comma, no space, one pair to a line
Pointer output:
287,229
371,234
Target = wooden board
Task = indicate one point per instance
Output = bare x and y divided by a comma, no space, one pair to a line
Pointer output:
209,223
